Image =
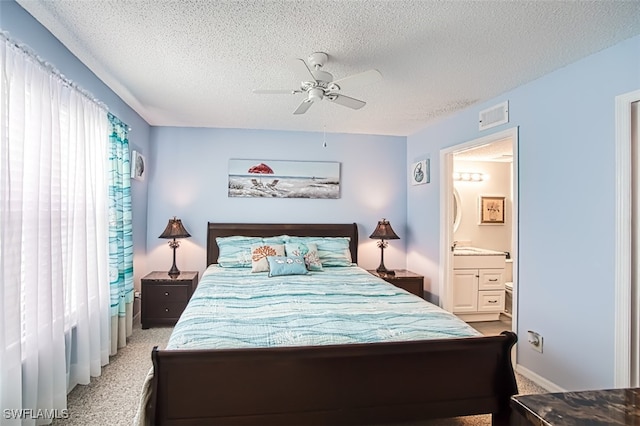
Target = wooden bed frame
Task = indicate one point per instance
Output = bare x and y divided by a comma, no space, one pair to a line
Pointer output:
361,384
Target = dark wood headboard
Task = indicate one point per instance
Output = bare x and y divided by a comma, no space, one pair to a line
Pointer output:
274,229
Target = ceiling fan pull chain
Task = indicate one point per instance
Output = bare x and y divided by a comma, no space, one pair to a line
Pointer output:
324,137
324,126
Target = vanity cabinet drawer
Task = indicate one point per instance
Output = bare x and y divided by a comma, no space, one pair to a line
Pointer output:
491,301
491,279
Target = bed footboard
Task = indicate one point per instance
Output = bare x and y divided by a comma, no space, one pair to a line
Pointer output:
345,384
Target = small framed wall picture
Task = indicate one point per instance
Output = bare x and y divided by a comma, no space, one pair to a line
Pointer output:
491,210
138,166
420,172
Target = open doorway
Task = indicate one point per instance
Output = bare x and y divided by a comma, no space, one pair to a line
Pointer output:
627,293
478,161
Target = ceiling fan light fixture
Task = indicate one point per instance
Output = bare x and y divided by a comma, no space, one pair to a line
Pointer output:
315,94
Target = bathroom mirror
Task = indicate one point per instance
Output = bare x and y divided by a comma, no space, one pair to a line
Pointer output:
457,210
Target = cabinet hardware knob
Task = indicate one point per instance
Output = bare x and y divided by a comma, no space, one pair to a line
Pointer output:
166,293
166,309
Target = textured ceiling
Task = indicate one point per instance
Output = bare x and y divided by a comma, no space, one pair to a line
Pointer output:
195,63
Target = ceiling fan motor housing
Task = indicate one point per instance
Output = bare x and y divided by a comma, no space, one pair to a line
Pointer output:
316,94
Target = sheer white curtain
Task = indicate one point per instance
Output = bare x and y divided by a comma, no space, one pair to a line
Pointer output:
54,280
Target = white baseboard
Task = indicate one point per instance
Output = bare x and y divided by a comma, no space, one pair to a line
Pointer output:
539,380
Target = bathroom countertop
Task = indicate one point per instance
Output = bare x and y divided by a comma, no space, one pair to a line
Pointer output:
476,251
594,408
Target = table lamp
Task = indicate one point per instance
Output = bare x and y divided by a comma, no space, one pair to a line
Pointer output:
174,230
384,232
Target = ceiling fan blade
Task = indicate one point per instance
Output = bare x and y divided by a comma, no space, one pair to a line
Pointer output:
347,101
361,79
303,107
301,70
275,91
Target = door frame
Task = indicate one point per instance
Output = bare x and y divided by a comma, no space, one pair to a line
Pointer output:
626,336
446,216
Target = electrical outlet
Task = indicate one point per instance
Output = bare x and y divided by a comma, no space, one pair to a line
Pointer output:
535,339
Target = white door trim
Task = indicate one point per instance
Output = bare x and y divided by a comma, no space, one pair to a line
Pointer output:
623,264
446,215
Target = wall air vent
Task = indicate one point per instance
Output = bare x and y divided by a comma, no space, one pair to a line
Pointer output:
494,116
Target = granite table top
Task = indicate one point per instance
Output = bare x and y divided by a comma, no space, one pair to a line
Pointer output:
610,407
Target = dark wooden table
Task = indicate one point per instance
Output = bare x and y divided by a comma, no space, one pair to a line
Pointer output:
610,407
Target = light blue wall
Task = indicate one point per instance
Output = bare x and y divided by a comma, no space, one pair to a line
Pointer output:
22,27
566,241
188,178
566,210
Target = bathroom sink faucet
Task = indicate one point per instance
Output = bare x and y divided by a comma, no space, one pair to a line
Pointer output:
453,246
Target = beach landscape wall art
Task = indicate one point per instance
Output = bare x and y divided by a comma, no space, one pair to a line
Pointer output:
284,179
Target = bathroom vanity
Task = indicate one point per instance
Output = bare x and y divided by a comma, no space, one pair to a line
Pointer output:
478,283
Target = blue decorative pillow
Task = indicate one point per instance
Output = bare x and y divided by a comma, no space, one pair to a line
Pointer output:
279,239
259,254
235,252
283,265
308,251
333,251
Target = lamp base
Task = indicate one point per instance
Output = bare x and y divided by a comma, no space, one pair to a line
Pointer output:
174,272
384,271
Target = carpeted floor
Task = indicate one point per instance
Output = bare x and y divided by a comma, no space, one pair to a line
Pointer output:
112,398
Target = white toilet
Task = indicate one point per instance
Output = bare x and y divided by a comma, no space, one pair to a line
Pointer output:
508,287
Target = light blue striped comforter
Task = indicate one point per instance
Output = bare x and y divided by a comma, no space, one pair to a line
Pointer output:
234,308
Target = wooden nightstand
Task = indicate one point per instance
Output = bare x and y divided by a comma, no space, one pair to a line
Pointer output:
404,279
164,298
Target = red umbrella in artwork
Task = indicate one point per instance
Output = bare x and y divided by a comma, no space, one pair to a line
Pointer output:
262,169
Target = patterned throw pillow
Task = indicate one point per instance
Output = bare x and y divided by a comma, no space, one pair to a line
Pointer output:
308,251
235,252
259,253
286,265
333,251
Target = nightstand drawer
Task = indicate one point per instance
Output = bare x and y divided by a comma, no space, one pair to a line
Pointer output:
169,310
157,294
414,286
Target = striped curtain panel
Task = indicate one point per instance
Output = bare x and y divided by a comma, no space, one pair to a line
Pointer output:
120,236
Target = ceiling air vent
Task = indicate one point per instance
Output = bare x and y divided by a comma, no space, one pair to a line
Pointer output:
494,116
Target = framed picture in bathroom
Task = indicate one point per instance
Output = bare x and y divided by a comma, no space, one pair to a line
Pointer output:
491,210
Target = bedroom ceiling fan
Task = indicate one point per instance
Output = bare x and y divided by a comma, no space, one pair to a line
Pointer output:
317,84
